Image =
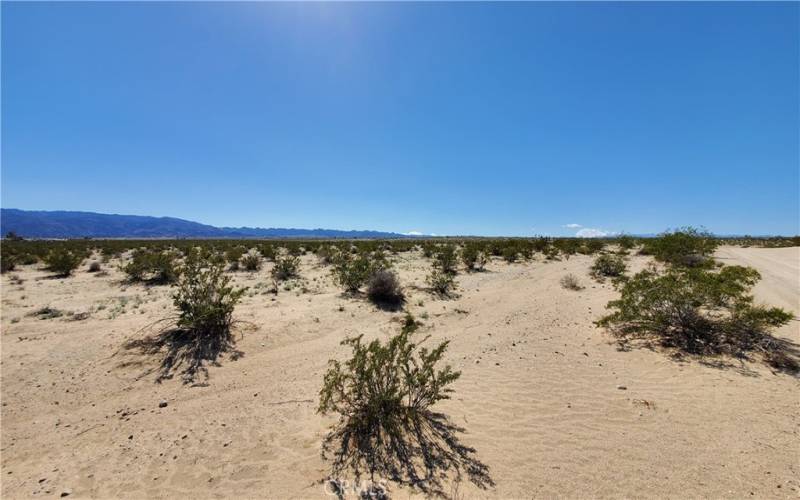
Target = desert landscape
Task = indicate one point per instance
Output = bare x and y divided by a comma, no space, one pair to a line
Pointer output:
548,403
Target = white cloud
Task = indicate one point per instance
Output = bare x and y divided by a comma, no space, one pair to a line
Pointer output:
572,226
589,232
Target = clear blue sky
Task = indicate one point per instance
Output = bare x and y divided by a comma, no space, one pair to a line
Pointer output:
490,118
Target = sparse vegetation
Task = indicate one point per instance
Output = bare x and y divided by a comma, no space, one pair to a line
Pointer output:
94,267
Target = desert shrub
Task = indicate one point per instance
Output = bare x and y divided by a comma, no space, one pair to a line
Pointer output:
445,258
8,262
62,261
571,282
688,247
626,242
205,299
351,272
567,246
473,257
383,390
608,266
383,289
201,331
701,312
510,254
251,261
47,312
94,267
592,246
327,254
286,267
155,267
441,283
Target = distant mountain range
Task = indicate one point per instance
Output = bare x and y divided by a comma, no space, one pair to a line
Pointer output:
63,224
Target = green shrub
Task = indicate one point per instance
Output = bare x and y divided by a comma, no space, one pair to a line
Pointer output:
687,247
473,257
62,261
441,283
8,262
510,254
701,312
608,266
205,299
383,391
155,267
251,262
445,258
352,272
384,290
286,267
94,267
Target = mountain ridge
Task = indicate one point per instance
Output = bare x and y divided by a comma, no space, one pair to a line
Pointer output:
60,224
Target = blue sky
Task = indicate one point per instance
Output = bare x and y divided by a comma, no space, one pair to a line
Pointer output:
483,118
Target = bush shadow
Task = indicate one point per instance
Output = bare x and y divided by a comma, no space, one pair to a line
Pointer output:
423,452
184,352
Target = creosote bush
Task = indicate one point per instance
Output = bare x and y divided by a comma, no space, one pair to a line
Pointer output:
251,261
687,247
384,290
351,272
608,266
62,261
201,331
445,258
8,262
571,282
383,390
441,283
154,267
701,312
473,257
286,267
205,299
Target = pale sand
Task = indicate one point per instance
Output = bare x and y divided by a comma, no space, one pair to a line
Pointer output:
538,397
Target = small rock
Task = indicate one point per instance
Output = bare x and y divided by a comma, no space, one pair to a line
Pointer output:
162,404
622,388
66,493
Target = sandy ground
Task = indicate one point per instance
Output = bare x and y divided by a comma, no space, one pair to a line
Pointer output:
539,396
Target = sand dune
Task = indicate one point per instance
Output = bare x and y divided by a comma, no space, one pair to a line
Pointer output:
548,401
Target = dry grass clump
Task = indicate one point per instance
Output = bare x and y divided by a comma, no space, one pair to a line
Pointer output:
571,282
